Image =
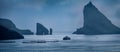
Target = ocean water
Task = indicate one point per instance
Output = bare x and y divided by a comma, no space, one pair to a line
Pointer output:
54,43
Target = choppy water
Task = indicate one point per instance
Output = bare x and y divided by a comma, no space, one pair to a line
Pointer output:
78,43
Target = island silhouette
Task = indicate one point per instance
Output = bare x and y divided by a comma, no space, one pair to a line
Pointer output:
96,23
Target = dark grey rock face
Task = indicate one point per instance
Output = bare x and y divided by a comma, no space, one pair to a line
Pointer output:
10,25
41,30
66,38
51,31
7,34
96,23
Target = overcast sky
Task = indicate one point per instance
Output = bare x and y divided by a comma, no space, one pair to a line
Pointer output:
61,15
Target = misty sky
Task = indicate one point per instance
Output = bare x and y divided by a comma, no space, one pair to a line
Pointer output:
61,15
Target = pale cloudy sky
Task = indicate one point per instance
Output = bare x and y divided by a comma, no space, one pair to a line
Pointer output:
61,15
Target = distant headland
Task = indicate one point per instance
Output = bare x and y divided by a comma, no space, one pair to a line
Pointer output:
10,25
41,30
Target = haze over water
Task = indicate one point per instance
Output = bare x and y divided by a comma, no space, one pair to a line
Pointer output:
78,43
62,16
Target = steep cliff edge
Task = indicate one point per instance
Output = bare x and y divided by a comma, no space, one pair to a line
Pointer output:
10,25
7,34
96,23
41,30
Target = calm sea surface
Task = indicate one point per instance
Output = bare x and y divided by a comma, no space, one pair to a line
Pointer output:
54,43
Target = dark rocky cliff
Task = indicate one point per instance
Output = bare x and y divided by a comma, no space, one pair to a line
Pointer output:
7,34
10,25
41,30
96,23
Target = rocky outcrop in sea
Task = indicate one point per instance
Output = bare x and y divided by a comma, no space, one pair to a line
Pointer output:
96,23
41,30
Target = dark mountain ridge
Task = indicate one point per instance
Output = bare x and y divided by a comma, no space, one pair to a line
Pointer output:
96,23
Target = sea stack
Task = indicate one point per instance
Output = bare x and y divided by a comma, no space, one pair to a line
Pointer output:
10,25
41,30
96,23
51,30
